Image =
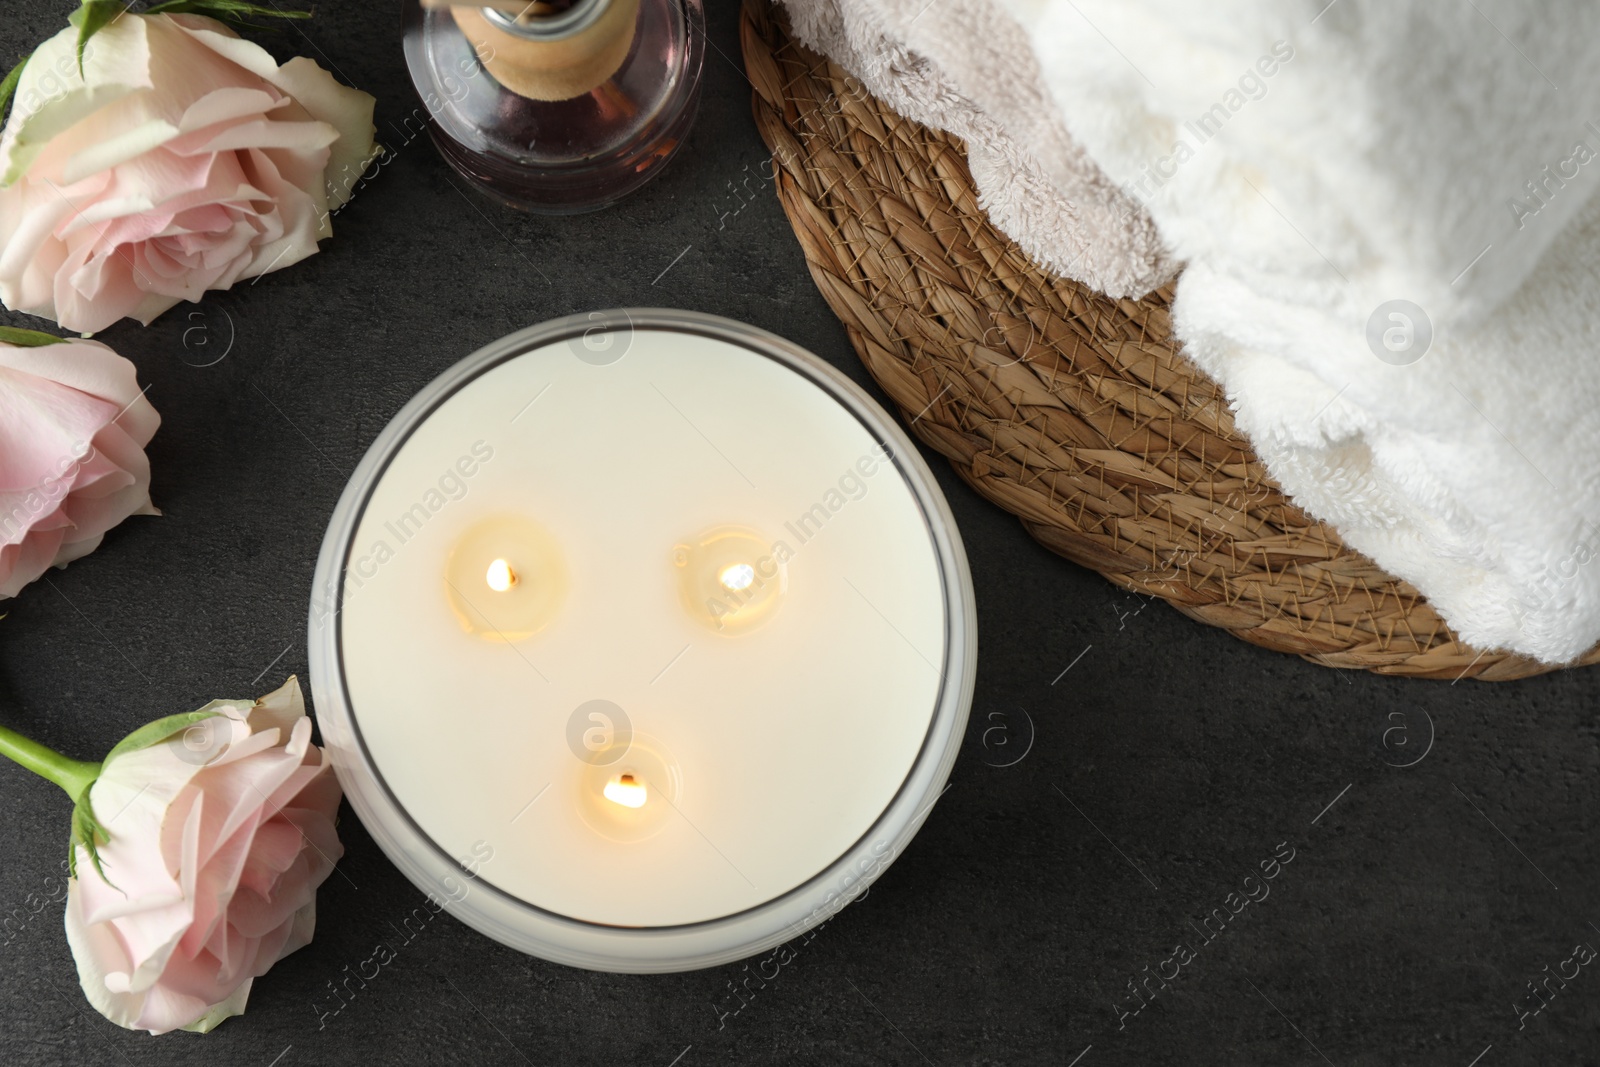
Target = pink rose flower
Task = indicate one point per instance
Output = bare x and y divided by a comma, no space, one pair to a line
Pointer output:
73,426
216,840
183,159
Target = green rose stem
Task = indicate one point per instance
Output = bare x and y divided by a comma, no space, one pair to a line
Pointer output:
76,776
72,775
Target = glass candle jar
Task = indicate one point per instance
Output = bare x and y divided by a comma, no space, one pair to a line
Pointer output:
557,109
642,641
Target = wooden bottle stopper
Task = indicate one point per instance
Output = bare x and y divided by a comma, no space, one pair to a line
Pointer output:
549,56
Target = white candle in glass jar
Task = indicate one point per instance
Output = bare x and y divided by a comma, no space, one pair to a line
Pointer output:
660,615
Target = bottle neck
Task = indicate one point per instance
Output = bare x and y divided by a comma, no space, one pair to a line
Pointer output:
539,21
555,55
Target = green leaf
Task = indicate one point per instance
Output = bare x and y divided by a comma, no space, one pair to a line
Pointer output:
14,335
227,10
91,18
8,88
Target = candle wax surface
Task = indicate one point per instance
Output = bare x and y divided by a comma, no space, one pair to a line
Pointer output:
766,750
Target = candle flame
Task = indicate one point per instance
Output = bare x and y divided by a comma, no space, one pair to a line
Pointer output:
500,576
737,577
627,791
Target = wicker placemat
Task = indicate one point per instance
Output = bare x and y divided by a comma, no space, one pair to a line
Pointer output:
1073,411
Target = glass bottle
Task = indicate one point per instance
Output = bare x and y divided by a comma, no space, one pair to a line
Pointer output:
557,106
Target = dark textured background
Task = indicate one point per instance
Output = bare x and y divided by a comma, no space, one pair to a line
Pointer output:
1164,765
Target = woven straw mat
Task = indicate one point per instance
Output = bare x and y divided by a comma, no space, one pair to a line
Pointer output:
1075,412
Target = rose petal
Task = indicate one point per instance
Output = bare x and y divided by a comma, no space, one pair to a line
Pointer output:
92,368
348,110
52,96
45,426
122,147
228,105
226,1009
99,953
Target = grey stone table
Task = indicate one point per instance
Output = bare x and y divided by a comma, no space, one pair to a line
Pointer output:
1124,772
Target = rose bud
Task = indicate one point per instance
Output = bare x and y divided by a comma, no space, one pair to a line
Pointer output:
197,848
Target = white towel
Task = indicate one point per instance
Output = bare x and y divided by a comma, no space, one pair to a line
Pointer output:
1341,156
1316,162
965,68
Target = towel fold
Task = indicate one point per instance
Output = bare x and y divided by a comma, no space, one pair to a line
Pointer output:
965,68
1393,266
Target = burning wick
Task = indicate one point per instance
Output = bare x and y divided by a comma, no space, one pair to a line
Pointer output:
626,790
500,576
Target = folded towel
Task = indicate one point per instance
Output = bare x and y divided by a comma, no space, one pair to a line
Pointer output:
1366,192
965,68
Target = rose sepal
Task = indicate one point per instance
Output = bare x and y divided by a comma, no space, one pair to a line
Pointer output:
16,335
95,15
91,18
8,87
